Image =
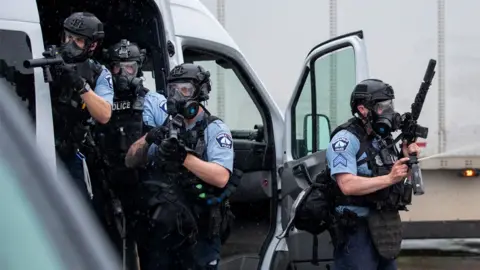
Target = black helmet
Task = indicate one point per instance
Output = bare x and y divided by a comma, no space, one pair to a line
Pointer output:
85,24
195,74
125,61
369,92
124,51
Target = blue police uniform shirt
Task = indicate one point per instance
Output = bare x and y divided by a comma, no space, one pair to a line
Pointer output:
342,158
104,86
218,141
154,109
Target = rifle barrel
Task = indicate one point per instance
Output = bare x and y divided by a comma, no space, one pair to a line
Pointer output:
41,62
430,71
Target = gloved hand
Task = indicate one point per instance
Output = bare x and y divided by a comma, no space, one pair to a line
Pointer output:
171,150
156,135
71,78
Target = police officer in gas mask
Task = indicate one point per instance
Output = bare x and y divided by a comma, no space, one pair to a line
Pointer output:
82,94
131,103
190,158
370,173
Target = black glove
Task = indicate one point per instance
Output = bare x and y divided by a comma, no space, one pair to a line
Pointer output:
171,150
156,135
71,78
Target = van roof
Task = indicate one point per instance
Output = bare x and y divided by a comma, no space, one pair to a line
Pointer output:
19,10
191,18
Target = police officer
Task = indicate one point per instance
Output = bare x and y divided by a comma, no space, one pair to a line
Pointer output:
200,162
83,91
131,101
370,173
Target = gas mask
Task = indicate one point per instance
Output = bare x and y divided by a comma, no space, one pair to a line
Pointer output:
70,51
385,119
181,99
125,75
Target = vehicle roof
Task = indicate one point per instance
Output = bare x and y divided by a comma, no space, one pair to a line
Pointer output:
192,19
19,10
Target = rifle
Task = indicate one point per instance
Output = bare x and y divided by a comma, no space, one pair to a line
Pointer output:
51,59
411,130
174,127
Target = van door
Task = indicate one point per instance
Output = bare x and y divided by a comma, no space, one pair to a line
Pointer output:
320,102
21,39
166,11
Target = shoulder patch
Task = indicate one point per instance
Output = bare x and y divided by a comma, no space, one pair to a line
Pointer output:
108,77
163,105
339,160
340,144
224,140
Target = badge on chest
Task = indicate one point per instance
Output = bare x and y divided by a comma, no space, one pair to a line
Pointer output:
121,105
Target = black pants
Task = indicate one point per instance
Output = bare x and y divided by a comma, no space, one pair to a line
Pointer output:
155,252
203,255
358,252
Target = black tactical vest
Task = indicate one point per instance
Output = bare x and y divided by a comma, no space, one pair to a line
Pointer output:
71,118
124,128
198,189
380,161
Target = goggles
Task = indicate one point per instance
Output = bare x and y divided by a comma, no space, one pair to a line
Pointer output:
78,40
384,106
126,68
185,89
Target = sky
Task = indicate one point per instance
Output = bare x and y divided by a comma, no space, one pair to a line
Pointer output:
401,37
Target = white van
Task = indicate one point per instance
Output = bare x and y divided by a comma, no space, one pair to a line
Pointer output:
278,157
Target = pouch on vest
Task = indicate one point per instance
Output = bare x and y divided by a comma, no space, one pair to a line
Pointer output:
313,213
386,231
312,210
169,212
227,221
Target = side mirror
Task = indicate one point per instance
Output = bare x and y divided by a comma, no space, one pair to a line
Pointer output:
323,132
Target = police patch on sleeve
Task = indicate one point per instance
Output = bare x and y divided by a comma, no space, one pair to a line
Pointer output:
163,105
340,160
109,80
224,140
340,144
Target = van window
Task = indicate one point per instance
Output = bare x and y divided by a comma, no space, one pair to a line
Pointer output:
25,243
15,47
229,98
334,77
303,108
149,81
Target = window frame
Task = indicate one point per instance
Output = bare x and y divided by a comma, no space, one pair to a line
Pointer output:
305,73
12,69
310,70
242,76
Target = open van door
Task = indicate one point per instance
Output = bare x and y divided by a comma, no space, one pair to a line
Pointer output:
21,39
169,29
320,102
